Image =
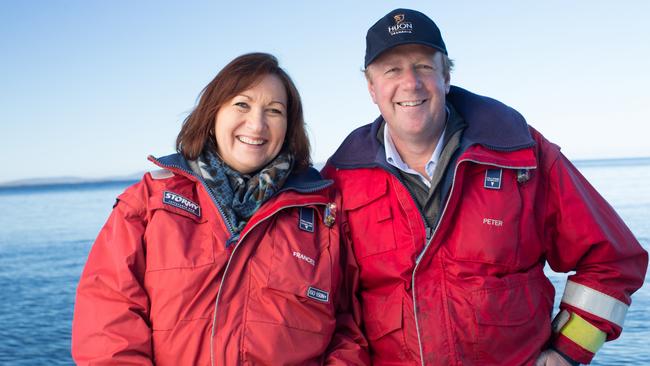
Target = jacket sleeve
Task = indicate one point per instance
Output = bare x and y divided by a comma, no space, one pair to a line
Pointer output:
585,235
348,345
110,323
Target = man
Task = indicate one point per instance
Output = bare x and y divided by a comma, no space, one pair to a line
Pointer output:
454,205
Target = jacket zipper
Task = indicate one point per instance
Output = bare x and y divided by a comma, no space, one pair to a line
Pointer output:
435,230
229,225
232,255
429,237
315,188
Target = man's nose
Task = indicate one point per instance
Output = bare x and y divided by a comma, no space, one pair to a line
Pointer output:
411,79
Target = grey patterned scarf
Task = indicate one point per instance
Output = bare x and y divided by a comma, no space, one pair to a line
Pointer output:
240,195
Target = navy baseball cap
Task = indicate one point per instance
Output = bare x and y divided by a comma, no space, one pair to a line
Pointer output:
402,26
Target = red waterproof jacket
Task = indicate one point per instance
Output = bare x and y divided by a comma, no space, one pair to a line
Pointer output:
161,287
474,291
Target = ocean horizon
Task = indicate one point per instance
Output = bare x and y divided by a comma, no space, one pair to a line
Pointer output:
72,182
47,231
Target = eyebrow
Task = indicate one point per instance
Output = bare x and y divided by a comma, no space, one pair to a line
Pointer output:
278,102
244,95
272,102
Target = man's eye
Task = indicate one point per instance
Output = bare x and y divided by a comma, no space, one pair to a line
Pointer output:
392,70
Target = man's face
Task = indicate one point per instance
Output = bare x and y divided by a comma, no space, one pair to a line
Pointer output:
408,85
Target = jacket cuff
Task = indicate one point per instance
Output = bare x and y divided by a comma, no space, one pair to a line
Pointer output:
568,359
575,337
568,348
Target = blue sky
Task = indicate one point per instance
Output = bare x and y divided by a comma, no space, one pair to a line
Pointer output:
90,88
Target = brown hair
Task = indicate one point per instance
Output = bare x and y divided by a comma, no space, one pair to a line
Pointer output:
447,66
240,74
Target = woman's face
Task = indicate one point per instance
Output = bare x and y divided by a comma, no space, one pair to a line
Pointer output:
250,128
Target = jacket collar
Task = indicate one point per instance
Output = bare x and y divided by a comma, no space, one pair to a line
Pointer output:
490,123
307,180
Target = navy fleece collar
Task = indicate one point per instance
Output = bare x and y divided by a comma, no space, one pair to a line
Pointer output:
306,180
489,123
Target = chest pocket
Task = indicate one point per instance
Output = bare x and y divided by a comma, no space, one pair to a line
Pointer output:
486,223
371,220
301,258
299,292
177,238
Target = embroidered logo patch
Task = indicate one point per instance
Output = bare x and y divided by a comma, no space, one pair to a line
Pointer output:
178,201
493,178
316,294
306,219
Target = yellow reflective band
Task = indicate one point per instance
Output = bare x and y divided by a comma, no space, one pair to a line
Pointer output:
583,333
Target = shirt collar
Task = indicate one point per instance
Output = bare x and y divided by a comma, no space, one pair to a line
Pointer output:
393,158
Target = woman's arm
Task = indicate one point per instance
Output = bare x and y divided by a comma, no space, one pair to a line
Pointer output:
110,323
349,345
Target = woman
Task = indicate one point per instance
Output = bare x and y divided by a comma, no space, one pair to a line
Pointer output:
231,254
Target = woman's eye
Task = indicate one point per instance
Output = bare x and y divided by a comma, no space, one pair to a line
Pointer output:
275,111
242,104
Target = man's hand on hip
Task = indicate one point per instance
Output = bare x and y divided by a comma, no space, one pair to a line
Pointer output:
551,358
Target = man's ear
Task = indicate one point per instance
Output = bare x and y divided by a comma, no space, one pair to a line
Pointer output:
371,89
447,83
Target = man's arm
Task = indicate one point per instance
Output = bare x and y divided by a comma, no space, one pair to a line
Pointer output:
584,234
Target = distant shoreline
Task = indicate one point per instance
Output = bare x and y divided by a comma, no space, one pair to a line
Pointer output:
67,186
612,161
65,183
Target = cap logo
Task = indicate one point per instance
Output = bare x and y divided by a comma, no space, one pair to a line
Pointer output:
400,26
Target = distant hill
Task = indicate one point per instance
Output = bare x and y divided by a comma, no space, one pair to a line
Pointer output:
55,181
78,181
612,162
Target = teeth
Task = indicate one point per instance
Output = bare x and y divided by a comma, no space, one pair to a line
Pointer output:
250,141
411,104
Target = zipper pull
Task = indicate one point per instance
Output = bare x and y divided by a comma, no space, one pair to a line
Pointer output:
429,231
429,234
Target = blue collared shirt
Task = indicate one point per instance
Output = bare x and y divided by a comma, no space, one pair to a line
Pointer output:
394,159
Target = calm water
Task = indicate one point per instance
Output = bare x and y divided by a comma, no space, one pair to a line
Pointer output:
45,236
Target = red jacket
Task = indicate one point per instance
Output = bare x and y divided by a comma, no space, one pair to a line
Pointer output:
474,293
160,286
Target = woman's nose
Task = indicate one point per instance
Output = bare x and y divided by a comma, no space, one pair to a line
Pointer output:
255,121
